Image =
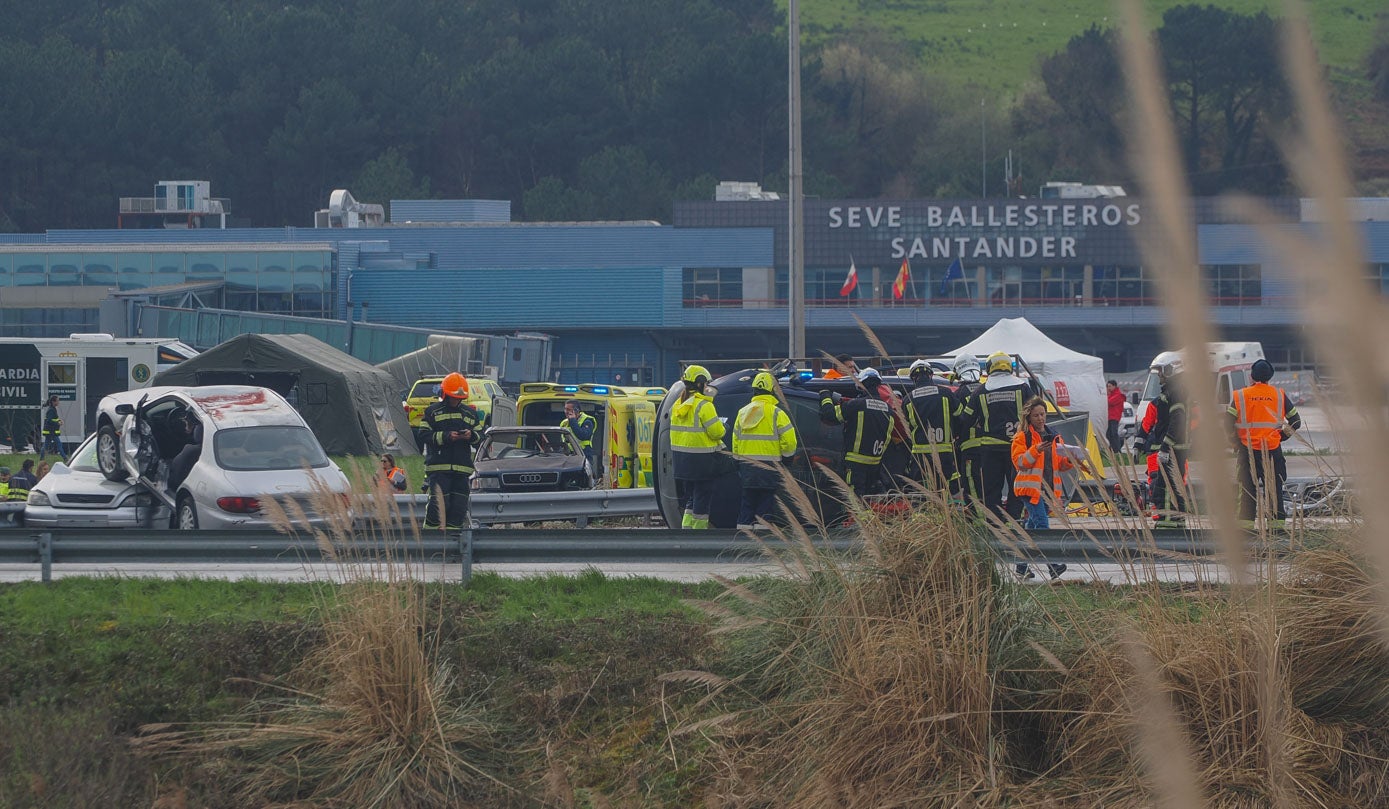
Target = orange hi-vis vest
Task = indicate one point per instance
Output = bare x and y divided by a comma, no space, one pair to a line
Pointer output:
1035,458
1259,415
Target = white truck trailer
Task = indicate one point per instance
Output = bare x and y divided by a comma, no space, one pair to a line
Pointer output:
79,370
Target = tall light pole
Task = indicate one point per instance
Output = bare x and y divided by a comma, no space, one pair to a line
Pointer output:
795,253
983,152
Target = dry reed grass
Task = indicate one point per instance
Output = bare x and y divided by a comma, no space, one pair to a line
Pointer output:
916,677
373,717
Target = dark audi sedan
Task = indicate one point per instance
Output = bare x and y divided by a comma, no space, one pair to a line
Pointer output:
530,459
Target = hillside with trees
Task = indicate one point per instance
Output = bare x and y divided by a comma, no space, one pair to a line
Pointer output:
610,110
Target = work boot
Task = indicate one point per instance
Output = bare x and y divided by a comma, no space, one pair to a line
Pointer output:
700,525
1056,571
1024,572
688,520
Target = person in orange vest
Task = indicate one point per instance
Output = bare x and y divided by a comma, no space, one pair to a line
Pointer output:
392,475
1039,463
1261,417
845,361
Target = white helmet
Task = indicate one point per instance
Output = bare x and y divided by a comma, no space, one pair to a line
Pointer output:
966,368
868,373
918,366
1168,364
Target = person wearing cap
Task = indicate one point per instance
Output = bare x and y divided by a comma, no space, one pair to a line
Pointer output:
867,424
1260,418
452,429
995,412
763,436
22,481
932,413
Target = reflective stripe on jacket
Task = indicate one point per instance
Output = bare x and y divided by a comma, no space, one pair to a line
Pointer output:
1259,412
995,414
695,425
867,422
931,415
52,425
762,431
585,421
20,484
1034,456
443,455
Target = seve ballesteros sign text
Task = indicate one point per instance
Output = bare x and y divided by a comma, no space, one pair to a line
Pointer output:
1013,230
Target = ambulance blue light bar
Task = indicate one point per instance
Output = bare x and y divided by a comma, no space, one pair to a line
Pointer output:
655,391
570,388
601,390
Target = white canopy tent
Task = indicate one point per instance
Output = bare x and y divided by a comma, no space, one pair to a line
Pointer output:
1074,379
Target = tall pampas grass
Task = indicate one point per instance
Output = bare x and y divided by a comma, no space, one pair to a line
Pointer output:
375,716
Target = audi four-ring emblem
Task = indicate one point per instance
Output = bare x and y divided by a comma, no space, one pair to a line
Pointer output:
528,478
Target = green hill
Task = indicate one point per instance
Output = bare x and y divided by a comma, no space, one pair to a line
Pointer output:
997,43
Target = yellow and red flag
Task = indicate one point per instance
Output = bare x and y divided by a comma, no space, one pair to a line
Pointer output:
904,277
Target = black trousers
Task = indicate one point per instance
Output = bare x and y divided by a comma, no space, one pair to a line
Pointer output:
993,480
936,471
1112,434
1254,464
863,478
452,489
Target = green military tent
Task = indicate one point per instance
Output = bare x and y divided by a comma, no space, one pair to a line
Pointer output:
353,407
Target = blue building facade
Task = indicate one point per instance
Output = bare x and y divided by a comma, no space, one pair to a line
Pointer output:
628,301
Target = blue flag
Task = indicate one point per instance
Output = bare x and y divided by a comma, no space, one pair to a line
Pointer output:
955,272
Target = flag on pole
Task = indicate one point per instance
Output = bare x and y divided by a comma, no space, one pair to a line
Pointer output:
904,277
850,280
955,272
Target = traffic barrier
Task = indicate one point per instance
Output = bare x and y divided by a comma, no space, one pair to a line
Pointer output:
47,548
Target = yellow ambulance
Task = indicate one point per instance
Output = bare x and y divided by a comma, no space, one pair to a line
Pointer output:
622,437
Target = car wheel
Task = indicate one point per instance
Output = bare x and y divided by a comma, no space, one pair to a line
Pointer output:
108,454
186,518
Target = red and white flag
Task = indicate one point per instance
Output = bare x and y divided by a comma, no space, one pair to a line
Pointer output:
850,281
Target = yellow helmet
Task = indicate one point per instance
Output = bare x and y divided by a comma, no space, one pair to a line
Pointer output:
1000,361
694,373
764,382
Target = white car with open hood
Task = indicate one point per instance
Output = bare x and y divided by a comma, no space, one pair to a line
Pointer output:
214,454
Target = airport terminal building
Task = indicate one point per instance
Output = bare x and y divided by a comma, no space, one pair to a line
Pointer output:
635,298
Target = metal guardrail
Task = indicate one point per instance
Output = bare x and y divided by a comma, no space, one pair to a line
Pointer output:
50,547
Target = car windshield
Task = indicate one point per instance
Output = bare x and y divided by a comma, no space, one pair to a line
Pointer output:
255,449
84,459
525,444
426,390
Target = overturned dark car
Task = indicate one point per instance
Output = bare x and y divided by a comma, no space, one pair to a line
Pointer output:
530,459
821,444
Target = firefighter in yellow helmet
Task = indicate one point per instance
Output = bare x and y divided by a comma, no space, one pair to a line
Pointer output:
452,430
994,413
696,436
762,437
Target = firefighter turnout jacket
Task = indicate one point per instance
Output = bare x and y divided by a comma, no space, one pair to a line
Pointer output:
1171,426
1259,413
52,424
446,450
1038,465
995,413
20,484
867,423
696,436
931,415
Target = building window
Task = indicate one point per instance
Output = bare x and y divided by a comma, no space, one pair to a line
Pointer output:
1123,286
1234,284
712,286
